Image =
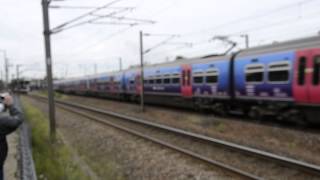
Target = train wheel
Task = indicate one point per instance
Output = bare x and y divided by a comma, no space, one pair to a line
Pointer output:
255,114
298,118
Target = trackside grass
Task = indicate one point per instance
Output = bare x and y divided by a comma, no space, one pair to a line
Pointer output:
56,94
52,161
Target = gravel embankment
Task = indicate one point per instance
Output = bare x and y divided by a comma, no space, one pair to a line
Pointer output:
283,141
117,155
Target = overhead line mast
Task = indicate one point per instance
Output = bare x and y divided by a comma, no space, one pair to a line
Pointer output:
47,41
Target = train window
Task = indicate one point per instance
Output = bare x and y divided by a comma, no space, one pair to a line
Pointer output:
151,81
166,81
131,81
212,76
316,70
254,73
159,81
301,71
175,80
145,81
198,79
211,79
279,72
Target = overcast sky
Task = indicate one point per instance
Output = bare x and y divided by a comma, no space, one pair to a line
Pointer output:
76,51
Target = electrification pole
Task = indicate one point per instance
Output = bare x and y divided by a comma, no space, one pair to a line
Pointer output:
6,62
68,25
6,67
141,73
47,33
246,37
120,64
17,72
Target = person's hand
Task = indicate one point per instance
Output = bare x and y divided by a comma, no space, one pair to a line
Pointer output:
8,100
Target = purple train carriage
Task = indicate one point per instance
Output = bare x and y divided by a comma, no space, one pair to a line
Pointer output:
281,79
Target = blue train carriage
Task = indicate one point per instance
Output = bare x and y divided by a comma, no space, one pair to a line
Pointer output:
264,82
266,78
116,85
131,84
106,84
200,82
57,85
210,83
71,85
162,83
95,83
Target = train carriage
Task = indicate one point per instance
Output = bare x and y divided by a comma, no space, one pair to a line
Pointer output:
281,79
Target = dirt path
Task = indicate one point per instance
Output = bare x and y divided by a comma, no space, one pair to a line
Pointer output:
11,164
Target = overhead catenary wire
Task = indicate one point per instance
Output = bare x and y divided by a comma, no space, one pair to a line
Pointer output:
85,7
159,44
204,42
265,26
57,30
86,48
123,18
284,22
251,17
84,15
114,23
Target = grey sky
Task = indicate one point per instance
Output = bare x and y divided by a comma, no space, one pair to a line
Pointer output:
75,51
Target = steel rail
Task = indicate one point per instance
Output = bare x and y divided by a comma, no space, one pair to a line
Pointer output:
168,145
286,161
189,153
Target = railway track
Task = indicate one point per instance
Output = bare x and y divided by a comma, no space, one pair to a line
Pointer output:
138,127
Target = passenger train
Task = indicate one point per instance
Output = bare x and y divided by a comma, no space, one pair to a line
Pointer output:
282,79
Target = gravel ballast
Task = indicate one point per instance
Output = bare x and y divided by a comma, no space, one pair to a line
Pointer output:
117,155
282,141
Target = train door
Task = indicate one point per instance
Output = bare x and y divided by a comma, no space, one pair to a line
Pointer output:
301,76
123,83
186,87
314,89
111,84
138,83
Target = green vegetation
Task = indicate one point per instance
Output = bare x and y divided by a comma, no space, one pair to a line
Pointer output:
292,145
56,94
52,161
220,127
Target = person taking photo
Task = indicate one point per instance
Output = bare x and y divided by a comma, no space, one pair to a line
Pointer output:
8,124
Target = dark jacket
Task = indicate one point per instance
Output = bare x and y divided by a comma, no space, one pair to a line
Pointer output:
8,124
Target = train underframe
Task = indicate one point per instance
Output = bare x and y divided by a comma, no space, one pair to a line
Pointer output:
257,110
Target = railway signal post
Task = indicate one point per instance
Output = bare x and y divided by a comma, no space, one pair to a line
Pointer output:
47,33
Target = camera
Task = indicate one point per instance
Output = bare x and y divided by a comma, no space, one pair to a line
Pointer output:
2,106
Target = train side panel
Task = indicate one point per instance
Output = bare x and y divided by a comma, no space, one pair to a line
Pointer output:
211,80
164,81
307,77
265,77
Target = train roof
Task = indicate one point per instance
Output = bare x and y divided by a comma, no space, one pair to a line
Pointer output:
303,43
179,62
